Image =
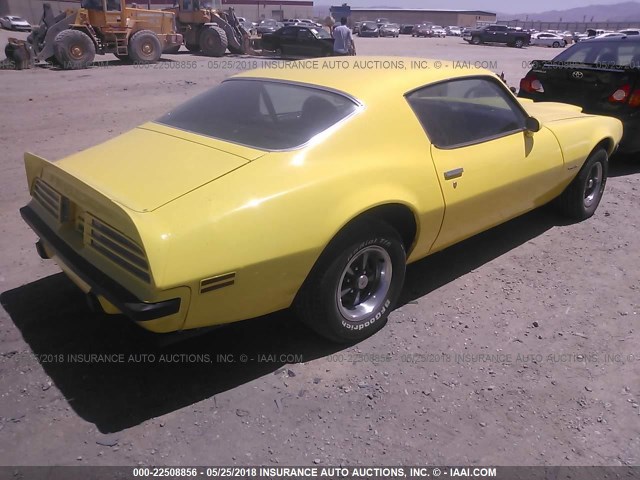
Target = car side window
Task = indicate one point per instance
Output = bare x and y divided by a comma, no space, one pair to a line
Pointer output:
466,111
304,34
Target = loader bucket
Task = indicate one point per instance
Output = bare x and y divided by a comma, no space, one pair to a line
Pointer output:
19,53
39,44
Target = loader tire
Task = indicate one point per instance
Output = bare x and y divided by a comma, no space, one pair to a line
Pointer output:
74,49
192,47
236,47
213,41
145,47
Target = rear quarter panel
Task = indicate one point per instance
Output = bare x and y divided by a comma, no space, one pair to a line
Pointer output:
269,221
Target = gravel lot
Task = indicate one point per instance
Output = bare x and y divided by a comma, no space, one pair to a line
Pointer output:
517,347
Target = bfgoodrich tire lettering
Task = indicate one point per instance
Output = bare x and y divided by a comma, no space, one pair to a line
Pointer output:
355,283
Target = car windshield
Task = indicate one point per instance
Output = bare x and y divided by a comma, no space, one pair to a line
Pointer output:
621,52
263,114
369,24
268,22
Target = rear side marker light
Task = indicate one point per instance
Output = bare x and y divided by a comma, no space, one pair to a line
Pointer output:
634,99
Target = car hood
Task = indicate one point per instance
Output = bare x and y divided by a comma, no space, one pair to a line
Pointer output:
547,112
153,164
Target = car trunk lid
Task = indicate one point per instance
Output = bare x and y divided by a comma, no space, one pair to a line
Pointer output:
591,86
153,164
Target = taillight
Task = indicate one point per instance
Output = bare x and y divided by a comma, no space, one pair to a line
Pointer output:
531,84
620,95
634,99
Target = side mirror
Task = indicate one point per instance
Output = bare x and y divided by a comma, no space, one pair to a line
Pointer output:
532,124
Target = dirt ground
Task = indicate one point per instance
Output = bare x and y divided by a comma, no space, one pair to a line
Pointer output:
518,347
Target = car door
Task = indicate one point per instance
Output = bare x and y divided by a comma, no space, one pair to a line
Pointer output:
490,167
307,45
289,41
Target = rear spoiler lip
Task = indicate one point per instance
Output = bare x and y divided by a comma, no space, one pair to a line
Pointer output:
537,64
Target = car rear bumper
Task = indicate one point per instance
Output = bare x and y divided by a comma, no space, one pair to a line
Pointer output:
91,280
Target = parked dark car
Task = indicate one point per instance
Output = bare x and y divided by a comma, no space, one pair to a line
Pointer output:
299,41
406,29
268,26
390,30
356,28
498,34
369,29
601,75
422,30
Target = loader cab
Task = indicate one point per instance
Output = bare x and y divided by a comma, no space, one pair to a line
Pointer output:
103,13
102,5
195,5
113,6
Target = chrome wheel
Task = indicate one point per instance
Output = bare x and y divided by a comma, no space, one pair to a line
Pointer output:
364,283
593,184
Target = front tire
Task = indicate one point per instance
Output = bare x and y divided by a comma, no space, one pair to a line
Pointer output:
581,198
475,40
213,41
518,43
74,49
355,283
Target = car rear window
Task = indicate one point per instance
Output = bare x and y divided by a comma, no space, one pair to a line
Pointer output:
607,53
263,114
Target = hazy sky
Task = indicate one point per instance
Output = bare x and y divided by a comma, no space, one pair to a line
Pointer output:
490,5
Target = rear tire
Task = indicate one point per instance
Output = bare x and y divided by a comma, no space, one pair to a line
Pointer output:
355,283
556,45
145,47
213,41
582,196
74,49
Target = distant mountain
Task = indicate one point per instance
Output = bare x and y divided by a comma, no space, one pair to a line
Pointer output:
619,12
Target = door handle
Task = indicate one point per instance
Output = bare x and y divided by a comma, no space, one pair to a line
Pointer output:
455,173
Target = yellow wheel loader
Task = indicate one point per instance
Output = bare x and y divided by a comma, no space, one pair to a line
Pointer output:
208,29
73,38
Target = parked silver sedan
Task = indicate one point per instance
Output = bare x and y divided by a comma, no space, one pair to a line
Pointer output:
11,22
548,39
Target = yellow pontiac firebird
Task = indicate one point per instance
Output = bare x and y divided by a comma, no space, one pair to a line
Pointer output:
307,188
